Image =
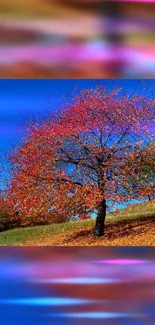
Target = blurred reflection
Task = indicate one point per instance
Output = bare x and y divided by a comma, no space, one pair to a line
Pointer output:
77,39
77,286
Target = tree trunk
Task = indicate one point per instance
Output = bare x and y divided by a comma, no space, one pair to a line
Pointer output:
100,219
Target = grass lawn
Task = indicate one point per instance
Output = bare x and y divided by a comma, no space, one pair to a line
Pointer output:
133,226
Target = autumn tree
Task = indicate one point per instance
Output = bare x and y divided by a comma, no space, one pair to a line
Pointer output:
149,169
146,172
5,222
80,158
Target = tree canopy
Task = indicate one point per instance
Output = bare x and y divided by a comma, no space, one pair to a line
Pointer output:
83,158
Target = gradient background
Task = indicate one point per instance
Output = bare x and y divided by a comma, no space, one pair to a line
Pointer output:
77,39
72,39
112,286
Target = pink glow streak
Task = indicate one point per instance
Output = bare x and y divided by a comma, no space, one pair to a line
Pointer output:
143,1
123,261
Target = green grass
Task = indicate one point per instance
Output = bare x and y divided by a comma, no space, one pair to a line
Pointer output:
19,235
30,235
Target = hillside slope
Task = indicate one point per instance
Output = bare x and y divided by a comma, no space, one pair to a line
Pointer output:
132,226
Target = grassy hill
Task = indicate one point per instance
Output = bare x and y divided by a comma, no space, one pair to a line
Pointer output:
133,226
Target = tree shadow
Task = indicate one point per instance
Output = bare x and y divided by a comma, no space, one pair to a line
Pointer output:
117,229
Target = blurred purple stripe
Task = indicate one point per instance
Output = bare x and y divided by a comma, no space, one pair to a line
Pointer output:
66,53
78,281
